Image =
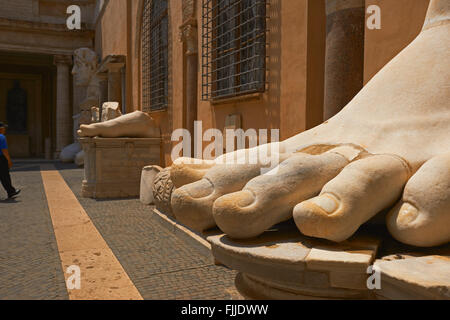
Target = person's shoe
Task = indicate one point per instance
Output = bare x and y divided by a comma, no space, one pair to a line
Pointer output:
14,194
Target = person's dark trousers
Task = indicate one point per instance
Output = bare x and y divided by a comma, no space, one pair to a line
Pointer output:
4,175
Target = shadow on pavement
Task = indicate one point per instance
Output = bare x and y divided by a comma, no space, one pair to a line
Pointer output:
9,201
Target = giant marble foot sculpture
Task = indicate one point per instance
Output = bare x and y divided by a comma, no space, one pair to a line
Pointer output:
335,177
132,125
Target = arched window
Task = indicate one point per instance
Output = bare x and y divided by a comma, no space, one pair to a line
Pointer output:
155,61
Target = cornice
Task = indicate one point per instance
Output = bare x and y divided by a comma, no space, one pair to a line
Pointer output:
42,27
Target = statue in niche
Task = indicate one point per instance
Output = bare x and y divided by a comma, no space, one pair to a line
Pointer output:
17,109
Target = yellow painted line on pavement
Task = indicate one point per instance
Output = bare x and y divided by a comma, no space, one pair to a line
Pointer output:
82,249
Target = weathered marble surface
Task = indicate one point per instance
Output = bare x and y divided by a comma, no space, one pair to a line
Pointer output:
289,265
110,110
147,179
162,188
422,277
398,128
137,124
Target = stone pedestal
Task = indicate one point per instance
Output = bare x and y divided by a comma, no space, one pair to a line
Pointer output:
283,264
113,166
288,265
409,278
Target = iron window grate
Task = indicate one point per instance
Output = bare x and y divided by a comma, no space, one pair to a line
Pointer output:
233,48
155,62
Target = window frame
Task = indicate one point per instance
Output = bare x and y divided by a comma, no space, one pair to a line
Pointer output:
155,71
214,18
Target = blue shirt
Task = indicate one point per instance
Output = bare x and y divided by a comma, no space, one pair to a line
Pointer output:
3,143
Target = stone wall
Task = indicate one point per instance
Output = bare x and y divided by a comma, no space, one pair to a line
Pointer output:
18,9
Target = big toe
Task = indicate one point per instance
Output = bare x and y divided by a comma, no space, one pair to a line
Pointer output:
364,188
319,217
234,214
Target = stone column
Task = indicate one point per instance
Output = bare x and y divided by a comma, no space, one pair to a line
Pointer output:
189,37
79,93
63,112
115,82
344,62
103,86
123,76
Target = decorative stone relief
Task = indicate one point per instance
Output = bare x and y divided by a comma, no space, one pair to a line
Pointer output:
189,36
162,191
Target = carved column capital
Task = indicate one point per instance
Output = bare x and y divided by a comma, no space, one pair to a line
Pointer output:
188,35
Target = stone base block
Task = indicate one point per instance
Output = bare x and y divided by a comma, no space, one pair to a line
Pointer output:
412,278
287,265
284,264
113,166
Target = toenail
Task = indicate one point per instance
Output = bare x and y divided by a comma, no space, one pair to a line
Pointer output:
245,199
326,202
408,213
199,189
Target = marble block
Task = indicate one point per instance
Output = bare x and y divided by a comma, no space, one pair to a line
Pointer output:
284,264
426,277
113,166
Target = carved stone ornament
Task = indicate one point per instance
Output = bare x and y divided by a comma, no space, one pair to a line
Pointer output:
162,191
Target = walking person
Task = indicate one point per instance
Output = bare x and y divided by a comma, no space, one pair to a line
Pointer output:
6,164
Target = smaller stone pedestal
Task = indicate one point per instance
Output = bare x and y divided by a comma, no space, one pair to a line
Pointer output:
113,166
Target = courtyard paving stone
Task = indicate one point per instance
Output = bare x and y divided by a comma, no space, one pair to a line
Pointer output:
29,262
160,265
